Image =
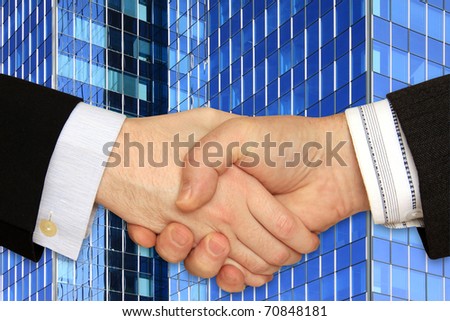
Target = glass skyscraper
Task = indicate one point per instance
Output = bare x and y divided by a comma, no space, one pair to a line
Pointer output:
113,54
314,58
267,57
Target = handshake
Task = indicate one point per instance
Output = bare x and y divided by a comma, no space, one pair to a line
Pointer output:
232,196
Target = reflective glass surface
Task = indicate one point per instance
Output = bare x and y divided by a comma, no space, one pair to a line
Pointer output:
112,54
406,51
268,58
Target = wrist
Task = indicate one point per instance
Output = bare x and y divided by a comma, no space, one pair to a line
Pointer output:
349,175
113,179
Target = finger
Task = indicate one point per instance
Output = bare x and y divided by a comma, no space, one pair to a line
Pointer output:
233,277
174,243
200,175
248,259
141,235
252,226
207,258
284,225
250,279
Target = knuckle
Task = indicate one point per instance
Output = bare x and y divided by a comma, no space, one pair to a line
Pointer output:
257,267
279,258
200,270
294,258
313,244
285,226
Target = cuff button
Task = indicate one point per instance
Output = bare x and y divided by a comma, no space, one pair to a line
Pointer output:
48,228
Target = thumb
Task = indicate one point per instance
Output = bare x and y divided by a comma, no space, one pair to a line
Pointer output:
214,154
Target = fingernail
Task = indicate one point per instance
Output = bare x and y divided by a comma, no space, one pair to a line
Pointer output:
179,238
185,192
215,247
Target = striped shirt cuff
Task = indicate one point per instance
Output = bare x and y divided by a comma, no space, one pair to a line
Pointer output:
386,164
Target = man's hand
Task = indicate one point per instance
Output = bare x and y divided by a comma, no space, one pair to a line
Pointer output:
142,180
308,163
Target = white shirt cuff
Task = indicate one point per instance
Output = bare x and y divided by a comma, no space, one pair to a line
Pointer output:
386,164
73,177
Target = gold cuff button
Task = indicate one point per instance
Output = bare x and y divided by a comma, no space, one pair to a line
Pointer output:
48,228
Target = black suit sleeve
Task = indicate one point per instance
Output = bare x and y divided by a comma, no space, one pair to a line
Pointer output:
423,112
31,119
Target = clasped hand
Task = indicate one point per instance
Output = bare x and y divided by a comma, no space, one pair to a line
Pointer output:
252,195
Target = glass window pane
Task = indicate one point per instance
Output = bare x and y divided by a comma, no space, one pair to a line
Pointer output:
400,37
130,45
399,8
327,288
285,58
313,269
359,278
314,291
82,70
130,8
447,26
400,282
82,28
435,266
312,90
434,288
271,18
359,251
358,60
342,16
342,71
381,61
400,65
327,81
381,277
299,48
343,257
447,267
299,274
435,52
342,233
327,27
418,259
434,70
358,10
417,72
343,284
114,81
359,227
381,8
328,263
115,39
381,250
381,30
418,10
399,254
312,34
435,23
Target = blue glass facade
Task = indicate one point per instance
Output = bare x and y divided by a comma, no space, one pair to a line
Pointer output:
113,54
269,58
314,58
298,57
410,43
26,52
